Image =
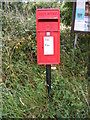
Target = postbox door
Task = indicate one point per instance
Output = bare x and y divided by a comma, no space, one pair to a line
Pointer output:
48,48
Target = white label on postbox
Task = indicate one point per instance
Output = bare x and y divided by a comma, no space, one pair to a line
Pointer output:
48,45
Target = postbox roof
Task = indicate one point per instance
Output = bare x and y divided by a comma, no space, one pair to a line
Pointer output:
48,9
49,13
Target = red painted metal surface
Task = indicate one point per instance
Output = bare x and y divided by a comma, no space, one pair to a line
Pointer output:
48,36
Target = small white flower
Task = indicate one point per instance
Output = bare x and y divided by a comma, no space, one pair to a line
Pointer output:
53,68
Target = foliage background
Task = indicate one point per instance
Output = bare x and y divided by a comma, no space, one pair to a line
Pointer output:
24,91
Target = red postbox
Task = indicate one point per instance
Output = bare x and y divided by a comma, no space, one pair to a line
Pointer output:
48,36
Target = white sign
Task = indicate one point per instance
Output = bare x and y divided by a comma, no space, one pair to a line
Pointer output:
48,45
82,17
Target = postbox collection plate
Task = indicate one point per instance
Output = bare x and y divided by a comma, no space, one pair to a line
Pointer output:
48,45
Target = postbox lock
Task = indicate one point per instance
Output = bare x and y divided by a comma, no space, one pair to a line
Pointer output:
48,33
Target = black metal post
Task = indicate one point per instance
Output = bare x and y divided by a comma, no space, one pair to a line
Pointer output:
48,77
